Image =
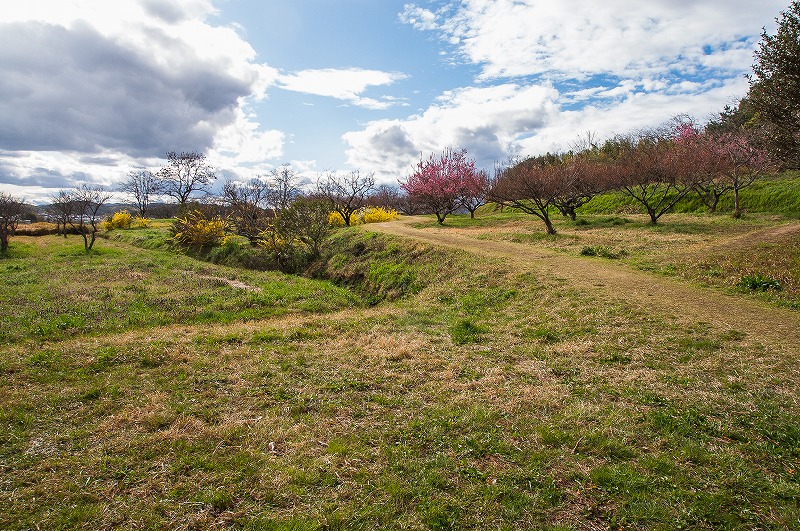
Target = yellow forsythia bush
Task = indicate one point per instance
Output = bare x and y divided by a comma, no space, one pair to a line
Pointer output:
120,220
195,230
142,222
335,219
378,215
364,215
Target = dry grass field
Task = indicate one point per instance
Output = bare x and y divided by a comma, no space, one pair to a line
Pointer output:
478,375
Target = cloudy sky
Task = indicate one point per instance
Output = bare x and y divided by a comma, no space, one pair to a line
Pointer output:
91,89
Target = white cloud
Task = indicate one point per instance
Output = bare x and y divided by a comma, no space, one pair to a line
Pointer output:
242,143
551,71
420,18
346,84
125,81
486,121
572,38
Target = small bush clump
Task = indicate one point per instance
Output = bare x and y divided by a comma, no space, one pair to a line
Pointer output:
336,220
119,220
603,252
197,231
758,282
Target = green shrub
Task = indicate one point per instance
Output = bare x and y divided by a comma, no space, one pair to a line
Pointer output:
603,252
758,282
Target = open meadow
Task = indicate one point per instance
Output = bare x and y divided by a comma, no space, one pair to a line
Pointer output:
480,374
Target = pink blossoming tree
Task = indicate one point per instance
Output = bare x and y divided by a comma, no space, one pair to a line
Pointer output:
440,183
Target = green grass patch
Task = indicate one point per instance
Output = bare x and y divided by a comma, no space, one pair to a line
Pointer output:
423,389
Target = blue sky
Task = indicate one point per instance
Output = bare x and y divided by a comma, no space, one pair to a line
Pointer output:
92,89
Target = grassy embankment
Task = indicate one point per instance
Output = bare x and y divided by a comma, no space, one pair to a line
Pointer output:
429,389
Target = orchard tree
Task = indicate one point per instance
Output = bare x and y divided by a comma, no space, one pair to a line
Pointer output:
775,86
185,175
652,172
85,204
11,211
439,183
583,179
741,162
59,211
532,186
346,193
474,192
386,196
142,185
306,221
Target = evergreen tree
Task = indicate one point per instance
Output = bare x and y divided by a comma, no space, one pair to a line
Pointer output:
775,86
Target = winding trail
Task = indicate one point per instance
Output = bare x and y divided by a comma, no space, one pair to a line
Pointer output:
686,303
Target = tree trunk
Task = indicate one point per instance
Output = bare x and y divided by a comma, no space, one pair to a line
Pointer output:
549,224
712,207
737,211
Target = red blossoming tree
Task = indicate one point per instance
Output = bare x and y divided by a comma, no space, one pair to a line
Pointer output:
440,183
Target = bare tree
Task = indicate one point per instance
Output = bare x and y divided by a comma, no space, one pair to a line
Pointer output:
248,205
346,193
185,174
59,211
283,188
386,196
142,185
11,211
85,203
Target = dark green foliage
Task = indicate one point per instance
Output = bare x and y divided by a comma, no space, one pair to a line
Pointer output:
602,251
758,282
775,86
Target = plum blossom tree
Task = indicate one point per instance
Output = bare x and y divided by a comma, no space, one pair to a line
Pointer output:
740,162
439,182
653,170
474,192
532,186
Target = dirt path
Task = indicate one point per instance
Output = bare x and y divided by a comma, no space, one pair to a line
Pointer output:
688,304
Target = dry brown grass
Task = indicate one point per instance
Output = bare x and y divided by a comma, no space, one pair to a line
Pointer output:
580,406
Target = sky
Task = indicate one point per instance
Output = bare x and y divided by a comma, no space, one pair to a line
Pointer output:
92,89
